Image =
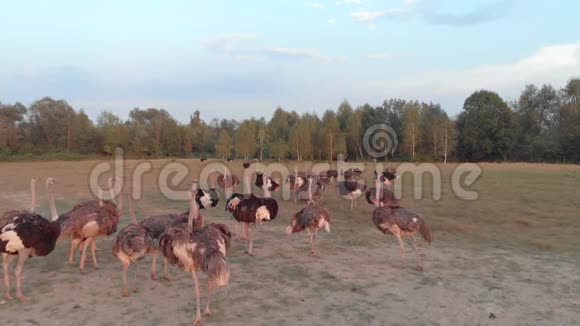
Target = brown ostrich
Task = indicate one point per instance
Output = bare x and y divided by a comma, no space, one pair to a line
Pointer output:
156,225
311,218
131,244
88,222
24,234
311,192
402,222
204,249
82,208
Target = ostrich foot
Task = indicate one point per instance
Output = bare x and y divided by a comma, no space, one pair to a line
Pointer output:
197,322
23,298
8,296
125,293
207,312
154,277
419,268
249,253
313,254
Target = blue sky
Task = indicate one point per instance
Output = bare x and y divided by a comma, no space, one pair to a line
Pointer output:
244,58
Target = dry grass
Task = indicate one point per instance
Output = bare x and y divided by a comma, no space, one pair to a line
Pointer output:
513,252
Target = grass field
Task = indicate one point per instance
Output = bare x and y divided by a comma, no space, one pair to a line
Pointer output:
512,253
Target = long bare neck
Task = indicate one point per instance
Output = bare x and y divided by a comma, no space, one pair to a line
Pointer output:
100,194
120,205
132,209
378,190
193,209
51,203
310,188
247,186
267,192
32,196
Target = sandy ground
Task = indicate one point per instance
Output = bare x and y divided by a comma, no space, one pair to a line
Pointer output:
476,272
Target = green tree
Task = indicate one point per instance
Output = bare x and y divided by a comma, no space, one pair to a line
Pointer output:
223,146
484,128
246,139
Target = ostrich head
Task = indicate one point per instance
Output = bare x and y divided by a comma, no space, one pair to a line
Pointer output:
262,213
271,185
232,204
300,181
203,199
50,182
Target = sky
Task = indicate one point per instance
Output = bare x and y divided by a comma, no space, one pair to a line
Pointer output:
238,59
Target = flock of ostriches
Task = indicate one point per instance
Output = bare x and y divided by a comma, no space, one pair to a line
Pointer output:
183,239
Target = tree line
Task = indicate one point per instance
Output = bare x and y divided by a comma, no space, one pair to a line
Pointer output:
542,125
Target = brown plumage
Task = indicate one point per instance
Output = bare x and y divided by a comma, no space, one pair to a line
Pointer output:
386,197
311,219
351,188
228,181
402,222
88,222
311,192
156,225
204,249
131,244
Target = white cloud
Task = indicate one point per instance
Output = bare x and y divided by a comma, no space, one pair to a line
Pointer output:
352,2
228,43
332,22
409,2
372,16
318,6
551,64
299,53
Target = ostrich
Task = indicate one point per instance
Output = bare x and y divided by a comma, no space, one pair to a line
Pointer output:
235,198
88,222
310,218
131,244
204,249
254,210
307,194
385,196
26,234
398,221
402,222
296,181
246,164
228,182
156,225
84,208
331,175
350,187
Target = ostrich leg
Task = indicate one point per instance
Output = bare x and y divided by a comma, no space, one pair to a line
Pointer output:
207,312
402,245
197,321
125,292
166,270
93,252
419,267
6,260
22,257
84,255
311,242
314,238
71,254
154,265
250,250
